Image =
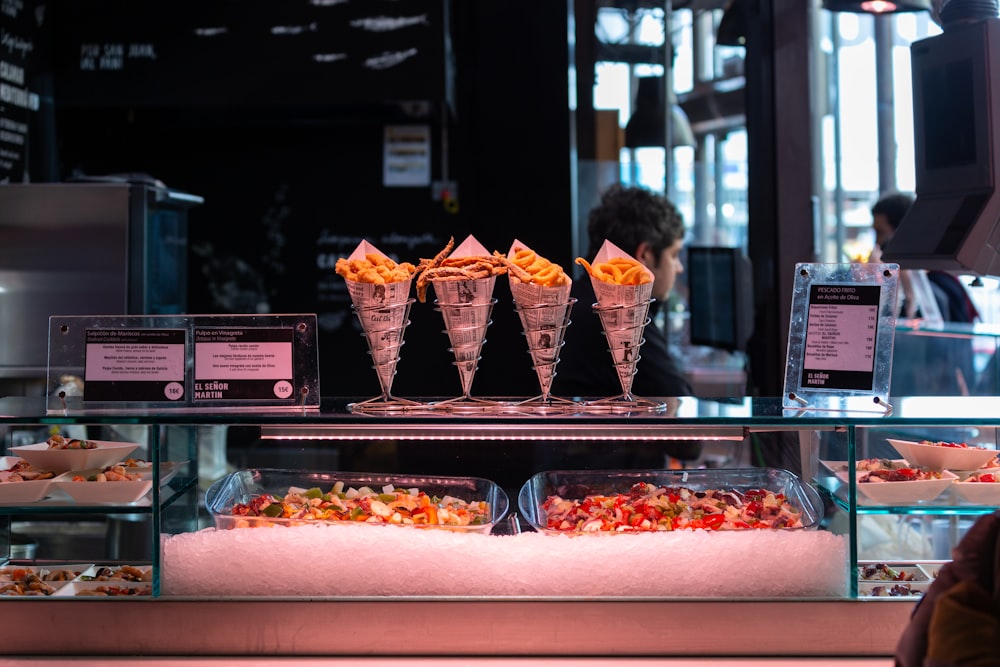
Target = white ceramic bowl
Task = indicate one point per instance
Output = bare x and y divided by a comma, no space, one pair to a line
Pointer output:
978,493
940,457
16,493
42,457
114,588
904,493
120,492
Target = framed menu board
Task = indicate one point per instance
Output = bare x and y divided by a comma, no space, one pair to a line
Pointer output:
841,333
183,362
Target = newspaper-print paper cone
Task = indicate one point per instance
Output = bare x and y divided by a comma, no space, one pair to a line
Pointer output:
366,294
611,294
389,317
623,318
623,310
624,339
466,373
386,373
531,294
542,316
544,329
527,293
372,295
467,352
384,329
466,328
384,346
464,292
467,325
626,372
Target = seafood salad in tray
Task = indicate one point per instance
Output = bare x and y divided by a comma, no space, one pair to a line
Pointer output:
603,502
272,497
75,580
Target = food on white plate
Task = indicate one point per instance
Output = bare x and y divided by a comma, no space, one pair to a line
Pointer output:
647,507
914,474
875,464
19,581
943,454
16,573
112,590
62,442
22,471
947,443
117,573
884,572
985,477
387,506
115,473
30,584
895,590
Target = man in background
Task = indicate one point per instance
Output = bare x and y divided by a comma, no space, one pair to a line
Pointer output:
926,365
650,228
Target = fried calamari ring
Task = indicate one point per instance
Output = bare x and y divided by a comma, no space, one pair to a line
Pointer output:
617,271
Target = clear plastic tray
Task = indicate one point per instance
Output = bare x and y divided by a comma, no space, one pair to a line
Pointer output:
243,486
577,484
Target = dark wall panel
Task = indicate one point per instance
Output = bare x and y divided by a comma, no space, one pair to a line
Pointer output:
290,186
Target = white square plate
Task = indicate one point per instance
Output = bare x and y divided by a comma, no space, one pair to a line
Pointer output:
908,569
910,589
118,573
941,457
122,492
17,493
901,493
168,470
123,589
978,493
60,460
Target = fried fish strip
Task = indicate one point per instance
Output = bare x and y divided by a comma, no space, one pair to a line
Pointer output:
442,267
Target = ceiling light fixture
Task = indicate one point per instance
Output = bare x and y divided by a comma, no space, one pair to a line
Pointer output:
877,6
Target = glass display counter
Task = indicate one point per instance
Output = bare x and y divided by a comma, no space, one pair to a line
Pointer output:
187,451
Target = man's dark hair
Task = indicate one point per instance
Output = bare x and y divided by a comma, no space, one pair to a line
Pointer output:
627,216
893,206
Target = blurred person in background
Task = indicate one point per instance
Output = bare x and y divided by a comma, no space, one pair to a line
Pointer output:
925,365
648,227
952,299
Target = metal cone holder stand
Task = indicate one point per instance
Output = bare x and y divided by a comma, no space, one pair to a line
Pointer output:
466,307
384,315
544,327
623,327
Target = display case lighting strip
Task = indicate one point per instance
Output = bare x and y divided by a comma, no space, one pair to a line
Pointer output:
615,432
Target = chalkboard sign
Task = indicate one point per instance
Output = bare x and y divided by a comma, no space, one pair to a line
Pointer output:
293,52
21,57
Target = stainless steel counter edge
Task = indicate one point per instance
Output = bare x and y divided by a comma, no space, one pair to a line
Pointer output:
468,627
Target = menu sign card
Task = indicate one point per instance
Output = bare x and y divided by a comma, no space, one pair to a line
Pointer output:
840,336
102,363
234,363
841,333
135,364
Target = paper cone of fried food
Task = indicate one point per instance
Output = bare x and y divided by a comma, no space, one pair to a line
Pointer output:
463,280
535,279
623,287
380,297
541,291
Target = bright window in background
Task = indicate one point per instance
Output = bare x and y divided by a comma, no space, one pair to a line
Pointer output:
847,222
849,130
